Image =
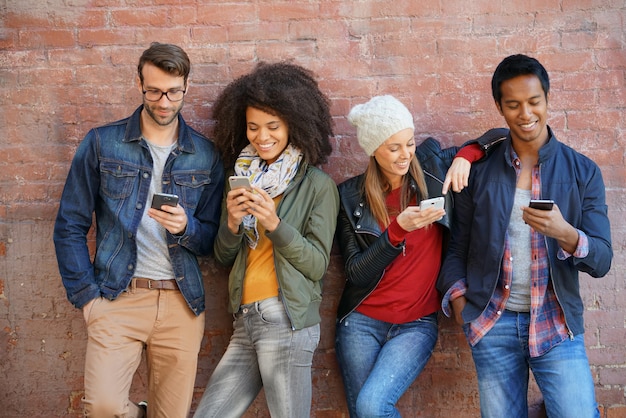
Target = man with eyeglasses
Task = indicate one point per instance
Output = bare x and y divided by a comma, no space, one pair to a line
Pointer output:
143,290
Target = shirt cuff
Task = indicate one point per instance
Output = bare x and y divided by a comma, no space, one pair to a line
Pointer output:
582,248
396,233
457,290
471,153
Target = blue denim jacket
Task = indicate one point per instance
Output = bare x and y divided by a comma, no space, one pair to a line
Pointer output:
110,175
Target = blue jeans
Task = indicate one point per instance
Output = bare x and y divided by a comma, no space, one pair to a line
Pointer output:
503,361
263,352
379,361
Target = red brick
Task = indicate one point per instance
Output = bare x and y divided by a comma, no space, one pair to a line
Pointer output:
24,19
8,38
225,13
616,411
612,376
288,10
137,17
100,37
46,38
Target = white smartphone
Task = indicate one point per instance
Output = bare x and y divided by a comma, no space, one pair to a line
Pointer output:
237,182
435,202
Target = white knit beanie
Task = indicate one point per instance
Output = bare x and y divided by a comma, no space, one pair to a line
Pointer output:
378,119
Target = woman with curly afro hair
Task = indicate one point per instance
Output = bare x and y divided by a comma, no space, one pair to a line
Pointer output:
272,126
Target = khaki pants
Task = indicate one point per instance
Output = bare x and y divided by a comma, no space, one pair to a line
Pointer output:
159,321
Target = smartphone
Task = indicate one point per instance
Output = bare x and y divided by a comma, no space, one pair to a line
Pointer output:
160,199
435,202
237,182
543,204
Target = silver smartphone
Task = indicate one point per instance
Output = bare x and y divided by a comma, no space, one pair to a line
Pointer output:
435,202
237,182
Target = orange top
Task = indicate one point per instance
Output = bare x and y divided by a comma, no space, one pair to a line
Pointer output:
260,281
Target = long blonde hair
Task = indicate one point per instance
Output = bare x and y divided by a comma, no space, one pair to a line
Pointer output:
377,187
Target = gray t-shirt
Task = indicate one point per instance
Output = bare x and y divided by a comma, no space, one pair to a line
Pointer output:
519,241
153,259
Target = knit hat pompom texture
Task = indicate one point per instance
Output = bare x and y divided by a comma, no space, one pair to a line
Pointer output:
378,119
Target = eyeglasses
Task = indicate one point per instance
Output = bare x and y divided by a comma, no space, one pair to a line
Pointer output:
172,95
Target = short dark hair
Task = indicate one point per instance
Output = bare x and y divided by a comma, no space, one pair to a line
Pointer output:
170,58
514,66
285,90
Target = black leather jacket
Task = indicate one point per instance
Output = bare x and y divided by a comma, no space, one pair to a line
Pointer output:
366,249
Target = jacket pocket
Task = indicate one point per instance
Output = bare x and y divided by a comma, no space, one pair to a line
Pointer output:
189,187
117,179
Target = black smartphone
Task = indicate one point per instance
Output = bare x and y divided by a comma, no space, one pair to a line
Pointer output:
543,204
160,199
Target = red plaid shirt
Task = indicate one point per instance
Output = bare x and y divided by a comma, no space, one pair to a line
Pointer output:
547,322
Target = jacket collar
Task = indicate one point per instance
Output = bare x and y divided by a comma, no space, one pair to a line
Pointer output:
545,152
352,194
133,131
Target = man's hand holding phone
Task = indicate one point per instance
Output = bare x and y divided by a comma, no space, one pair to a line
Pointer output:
542,204
168,213
160,199
538,213
545,217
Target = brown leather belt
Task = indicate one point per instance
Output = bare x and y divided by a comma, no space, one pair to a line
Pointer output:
143,283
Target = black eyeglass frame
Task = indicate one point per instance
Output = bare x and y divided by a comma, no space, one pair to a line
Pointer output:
164,93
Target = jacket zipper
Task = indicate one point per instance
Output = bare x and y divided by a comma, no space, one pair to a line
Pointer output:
280,291
558,299
375,286
486,147
570,334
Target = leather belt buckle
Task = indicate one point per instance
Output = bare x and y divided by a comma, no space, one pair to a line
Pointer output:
145,283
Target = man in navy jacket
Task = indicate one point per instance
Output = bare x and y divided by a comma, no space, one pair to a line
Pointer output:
511,274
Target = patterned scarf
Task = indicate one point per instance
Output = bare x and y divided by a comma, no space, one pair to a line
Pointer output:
273,178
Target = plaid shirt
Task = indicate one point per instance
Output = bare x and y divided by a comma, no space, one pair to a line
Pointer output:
547,321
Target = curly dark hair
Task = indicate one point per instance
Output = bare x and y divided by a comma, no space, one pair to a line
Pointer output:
280,89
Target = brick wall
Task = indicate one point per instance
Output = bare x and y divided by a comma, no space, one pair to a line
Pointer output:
68,66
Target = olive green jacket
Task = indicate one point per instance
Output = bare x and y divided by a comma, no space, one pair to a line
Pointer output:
302,244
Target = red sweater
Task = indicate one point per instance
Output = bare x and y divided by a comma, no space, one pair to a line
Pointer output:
407,290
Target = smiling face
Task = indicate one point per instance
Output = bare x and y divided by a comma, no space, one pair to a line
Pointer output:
394,156
267,133
524,106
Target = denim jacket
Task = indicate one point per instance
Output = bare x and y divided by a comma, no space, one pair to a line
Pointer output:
110,175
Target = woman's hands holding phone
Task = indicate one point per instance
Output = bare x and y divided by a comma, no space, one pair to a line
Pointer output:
241,202
413,217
